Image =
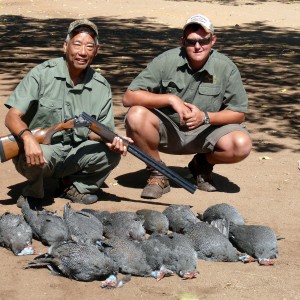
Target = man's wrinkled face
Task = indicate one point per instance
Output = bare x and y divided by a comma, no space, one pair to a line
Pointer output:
198,45
80,51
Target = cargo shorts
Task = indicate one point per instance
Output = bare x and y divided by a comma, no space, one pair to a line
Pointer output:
174,140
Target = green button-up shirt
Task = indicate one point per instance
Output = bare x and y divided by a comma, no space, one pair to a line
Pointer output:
46,96
216,86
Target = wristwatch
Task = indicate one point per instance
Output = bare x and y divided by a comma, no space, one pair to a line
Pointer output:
206,118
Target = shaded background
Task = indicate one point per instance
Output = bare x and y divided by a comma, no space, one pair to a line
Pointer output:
267,57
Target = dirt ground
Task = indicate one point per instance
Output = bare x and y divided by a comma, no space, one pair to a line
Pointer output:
263,38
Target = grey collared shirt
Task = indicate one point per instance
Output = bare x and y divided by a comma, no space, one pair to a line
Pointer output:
46,96
216,86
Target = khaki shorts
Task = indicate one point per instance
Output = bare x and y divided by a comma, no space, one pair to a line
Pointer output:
200,140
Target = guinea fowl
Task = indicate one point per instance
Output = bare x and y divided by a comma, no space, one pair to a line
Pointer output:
46,226
76,260
102,216
257,241
210,244
222,211
155,221
183,257
128,255
82,226
15,234
125,224
159,257
180,217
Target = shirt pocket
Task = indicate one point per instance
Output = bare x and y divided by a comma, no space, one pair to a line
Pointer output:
210,97
49,112
171,87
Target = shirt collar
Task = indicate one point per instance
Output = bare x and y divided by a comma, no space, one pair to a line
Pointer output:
208,66
63,72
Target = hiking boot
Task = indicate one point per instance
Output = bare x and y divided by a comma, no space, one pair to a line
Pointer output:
201,170
72,194
157,185
32,201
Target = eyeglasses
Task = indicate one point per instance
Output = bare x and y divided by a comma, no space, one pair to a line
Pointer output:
201,42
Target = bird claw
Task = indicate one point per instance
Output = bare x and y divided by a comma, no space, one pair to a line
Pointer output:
110,282
266,262
113,282
246,259
188,275
163,272
28,250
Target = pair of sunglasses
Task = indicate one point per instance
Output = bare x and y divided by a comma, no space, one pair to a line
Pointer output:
201,42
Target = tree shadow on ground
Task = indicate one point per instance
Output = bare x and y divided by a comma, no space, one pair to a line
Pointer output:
50,197
138,179
267,58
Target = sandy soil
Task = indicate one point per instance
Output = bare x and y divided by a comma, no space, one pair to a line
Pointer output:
263,38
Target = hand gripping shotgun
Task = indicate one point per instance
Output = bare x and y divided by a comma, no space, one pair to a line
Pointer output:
108,135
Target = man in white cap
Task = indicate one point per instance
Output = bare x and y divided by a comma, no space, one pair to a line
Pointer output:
56,90
189,100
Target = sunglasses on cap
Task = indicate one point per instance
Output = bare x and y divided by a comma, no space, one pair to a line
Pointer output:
201,42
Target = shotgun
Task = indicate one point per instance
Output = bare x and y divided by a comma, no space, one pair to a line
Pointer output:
10,147
109,135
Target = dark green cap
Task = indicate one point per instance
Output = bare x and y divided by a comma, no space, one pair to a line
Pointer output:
83,22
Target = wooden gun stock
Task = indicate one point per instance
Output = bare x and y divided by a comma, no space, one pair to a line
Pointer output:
10,147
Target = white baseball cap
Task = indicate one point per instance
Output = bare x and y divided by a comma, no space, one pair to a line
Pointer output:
201,20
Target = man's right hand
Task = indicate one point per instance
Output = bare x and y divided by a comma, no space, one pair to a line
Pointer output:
33,151
179,106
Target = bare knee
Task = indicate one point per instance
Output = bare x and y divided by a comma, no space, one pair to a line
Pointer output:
138,118
232,148
135,115
241,145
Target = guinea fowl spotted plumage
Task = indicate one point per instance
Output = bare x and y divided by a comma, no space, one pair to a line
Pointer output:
15,234
181,257
125,224
76,260
46,226
210,244
102,215
222,211
159,257
128,255
180,217
155,221
257,241
82,226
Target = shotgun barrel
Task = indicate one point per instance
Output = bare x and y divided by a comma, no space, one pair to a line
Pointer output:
109,135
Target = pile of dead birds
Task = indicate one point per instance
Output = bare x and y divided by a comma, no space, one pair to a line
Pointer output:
88,245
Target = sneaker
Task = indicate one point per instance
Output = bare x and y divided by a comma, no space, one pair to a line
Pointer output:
32,201
156,187
201,170
72,194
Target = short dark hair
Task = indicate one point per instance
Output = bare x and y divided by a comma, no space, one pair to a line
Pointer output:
83,28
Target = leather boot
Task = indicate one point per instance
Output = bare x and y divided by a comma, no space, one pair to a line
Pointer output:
72,194
157,185
201,170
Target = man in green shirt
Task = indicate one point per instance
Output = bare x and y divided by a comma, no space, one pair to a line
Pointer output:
53,91
189,100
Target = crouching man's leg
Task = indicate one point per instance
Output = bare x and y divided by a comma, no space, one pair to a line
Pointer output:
34,189
231,147
85,169
142,125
